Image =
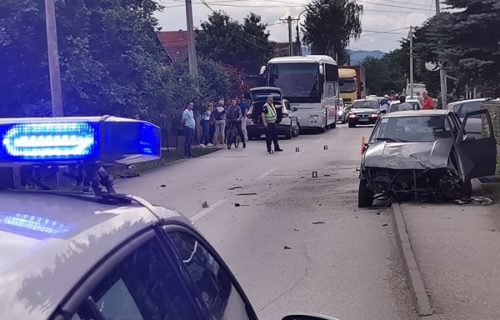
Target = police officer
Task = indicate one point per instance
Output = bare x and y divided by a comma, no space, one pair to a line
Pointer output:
269,119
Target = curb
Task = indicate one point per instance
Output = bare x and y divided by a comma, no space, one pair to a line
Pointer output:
410,267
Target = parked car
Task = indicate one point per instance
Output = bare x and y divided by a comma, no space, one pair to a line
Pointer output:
461,108
394,106
425,154
288,125
363,112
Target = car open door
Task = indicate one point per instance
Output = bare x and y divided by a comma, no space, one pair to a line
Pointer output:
476,153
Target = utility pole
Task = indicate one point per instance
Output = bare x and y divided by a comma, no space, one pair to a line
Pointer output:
53,55
411,61
193,64
442,72
289,21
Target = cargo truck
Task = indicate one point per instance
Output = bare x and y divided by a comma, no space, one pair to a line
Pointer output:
352,83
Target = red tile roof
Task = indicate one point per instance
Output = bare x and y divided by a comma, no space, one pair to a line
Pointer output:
176,42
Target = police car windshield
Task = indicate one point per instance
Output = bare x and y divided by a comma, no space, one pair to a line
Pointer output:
411,129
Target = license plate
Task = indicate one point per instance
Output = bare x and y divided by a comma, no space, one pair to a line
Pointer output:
364,120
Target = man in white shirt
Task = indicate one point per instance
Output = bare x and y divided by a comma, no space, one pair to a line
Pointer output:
189,125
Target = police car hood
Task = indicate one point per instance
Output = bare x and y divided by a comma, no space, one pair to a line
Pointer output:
409,155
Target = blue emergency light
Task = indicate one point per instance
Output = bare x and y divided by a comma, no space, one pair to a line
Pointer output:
76,139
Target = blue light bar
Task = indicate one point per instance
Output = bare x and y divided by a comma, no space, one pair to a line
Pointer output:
32,225
70,140
49,140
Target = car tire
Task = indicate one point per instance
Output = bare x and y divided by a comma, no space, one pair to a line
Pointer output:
296,132
365,195
289,133
467,189
321,130
333,125
352,125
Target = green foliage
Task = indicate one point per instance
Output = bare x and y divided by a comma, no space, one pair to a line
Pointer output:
245,46
468,42
330,24
111,60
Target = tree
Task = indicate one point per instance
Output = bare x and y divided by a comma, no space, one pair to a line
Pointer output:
330,24
467,40
227,41
111,60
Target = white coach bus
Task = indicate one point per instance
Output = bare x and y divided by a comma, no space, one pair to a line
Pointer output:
310,84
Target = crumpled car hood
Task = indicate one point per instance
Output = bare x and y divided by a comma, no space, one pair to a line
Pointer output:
409,155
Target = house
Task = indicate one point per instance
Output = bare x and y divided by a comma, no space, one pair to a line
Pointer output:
175,42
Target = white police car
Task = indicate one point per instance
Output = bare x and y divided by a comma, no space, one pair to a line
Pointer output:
91,253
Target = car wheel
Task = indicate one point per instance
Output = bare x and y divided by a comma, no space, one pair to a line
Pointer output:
296,131
365,195
467,189
321,130
289,133
333,125
352,125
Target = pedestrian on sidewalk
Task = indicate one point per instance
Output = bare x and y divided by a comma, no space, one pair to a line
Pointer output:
220,123
211,133
189,126
244,110
404,106
234,119
427,102
269,118
205,124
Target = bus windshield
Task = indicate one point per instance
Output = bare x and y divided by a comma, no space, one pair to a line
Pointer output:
298,81
347,85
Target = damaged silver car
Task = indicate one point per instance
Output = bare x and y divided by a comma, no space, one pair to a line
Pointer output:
425,155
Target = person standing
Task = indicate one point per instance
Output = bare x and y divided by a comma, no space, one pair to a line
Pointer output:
427,102
269,118
189,126
404,106
205,124
220,123
244,109
234,119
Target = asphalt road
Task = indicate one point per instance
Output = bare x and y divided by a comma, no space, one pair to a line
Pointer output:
296,243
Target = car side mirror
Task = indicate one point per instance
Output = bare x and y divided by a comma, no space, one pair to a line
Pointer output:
307,317
294,109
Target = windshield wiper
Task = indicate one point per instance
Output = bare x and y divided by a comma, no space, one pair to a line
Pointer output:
390,139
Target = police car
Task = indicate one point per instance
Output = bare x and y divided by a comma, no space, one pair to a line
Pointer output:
90,253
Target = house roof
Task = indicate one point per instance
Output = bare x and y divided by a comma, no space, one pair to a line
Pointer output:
175,42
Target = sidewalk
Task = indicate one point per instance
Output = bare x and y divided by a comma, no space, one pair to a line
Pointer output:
457,251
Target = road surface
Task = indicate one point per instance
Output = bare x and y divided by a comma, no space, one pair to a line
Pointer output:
295,243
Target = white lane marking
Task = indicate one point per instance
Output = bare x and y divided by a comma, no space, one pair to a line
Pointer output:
268,172
206,211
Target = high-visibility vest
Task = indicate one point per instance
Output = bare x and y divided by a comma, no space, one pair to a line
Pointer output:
271,115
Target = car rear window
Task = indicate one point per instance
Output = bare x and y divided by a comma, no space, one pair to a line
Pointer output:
412,129
369,104
469,107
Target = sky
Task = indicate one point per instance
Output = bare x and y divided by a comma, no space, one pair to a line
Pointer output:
384,22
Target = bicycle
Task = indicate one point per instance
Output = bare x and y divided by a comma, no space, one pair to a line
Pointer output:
232,135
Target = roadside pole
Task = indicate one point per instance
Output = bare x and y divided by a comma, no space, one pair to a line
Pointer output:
193,63
411,61
289,21
442,72
53,55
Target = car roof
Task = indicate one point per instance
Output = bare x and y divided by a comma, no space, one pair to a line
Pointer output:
451,104
417,113
265,88
367,99
48,242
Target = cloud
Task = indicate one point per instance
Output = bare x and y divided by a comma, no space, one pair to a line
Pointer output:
379,15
